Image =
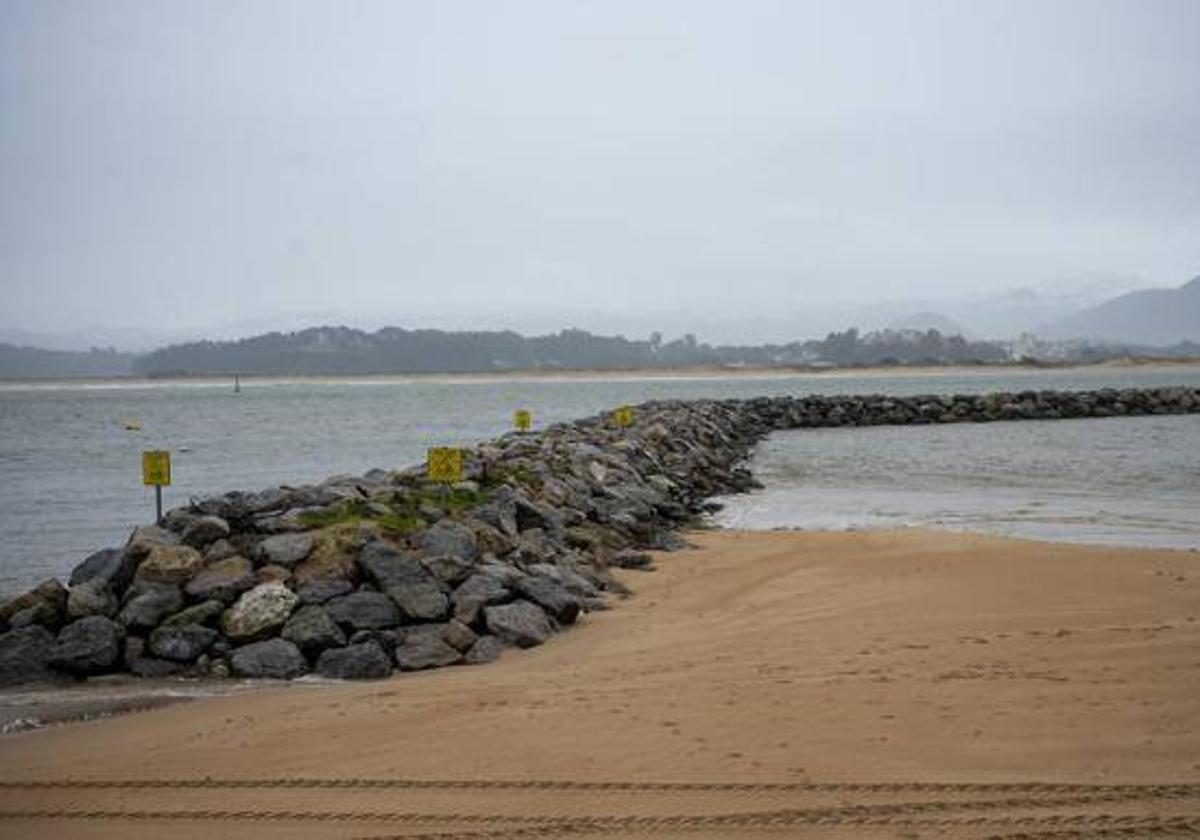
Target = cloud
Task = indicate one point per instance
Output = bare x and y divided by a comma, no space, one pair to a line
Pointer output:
208,164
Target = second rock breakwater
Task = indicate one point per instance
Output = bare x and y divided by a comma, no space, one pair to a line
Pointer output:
359,576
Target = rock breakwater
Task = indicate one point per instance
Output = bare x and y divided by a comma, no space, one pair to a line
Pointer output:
360,576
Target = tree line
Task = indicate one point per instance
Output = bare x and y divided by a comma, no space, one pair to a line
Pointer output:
342,350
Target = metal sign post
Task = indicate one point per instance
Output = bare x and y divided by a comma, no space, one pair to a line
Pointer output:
156,472
523,419
623,417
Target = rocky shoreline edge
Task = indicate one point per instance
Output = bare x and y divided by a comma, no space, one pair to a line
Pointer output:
358,577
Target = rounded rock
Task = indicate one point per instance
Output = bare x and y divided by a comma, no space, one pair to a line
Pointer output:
276,659
366,661
259,612
91,645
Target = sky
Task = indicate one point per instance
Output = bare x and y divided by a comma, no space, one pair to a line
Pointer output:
178,168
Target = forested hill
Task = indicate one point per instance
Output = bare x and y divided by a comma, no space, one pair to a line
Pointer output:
341,350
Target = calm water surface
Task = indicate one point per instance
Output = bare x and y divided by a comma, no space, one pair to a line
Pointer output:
1130,481
71,475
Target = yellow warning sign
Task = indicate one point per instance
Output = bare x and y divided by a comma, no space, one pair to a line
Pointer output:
523,419
623,416
156,468
444,463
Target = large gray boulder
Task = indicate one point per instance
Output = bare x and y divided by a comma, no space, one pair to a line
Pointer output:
312,630
223,580
204,613
92,598
425,647
520,623
475,593
259,612
147,604
173,564
45,604
320,591
458,635
534,546
451,571
364,661
486,649
449,538
505,573
571,579
113,567
285,549
405,581
532,515
181,642
88,646
500,513
276,659
364,611
204,530
25,656
490,540
145,538
550,596
43,614
219,550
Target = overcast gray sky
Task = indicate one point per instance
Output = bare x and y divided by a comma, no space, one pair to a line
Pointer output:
196,165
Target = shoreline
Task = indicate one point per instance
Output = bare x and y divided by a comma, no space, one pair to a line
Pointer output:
36,707
759,657
700,372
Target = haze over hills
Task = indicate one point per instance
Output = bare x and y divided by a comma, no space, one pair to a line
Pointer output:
1148,321
999,315
1149,316
930,321
38,363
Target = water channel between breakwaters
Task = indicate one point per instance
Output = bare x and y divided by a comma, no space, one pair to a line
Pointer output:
1131,482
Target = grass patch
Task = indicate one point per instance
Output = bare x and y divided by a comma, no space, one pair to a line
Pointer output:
401,516
520,474
397,519
335,515
452,499
400,523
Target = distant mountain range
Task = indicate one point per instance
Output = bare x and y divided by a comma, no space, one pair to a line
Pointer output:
1152,316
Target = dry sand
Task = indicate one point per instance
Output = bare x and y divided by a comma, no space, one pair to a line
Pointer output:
886,684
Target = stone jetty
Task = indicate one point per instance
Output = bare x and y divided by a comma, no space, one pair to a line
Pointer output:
358,577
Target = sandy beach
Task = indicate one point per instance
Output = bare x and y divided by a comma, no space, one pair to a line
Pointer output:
879,684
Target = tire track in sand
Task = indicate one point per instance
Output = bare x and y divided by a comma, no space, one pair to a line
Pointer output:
1004,811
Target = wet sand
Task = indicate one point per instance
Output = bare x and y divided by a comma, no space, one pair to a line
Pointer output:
881,684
